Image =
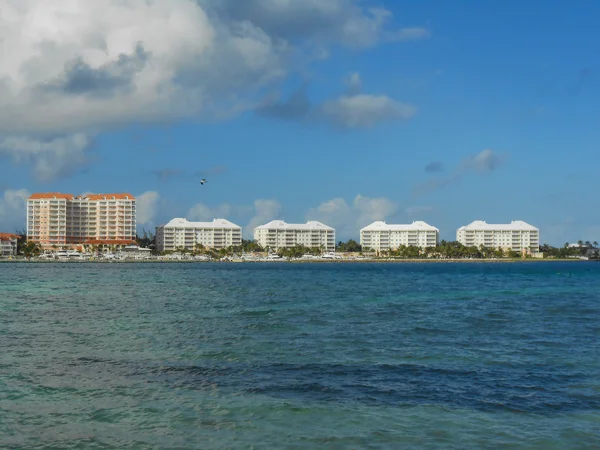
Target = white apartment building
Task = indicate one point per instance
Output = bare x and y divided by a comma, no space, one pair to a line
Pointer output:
180,233
279,234
380,236
518,236
8,244
55,219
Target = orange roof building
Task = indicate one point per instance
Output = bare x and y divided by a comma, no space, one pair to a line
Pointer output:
8,244
56,219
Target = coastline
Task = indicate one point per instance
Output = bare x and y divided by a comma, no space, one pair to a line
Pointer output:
306,261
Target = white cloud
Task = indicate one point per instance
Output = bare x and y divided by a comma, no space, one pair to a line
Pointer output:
264,211
202,212
50,158
486,161
76,68
364,110
349,219
351,23
260,212
147,207
13,208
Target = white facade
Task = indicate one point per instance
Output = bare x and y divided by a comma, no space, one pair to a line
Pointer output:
279,234
8,244
55,219
380,236
518,236
180,233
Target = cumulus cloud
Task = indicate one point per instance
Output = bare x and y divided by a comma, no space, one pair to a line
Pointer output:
260,212
202,212
483,162
349,111
349,219
264,211
72,69
51,158
354,24
13,208
147,205
364,110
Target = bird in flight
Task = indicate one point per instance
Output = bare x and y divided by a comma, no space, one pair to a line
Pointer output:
203,180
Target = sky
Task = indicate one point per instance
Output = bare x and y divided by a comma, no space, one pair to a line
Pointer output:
343,111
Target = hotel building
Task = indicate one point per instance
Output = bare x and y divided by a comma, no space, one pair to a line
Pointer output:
8,244
517,236
278,234
55,219
180,233
380,236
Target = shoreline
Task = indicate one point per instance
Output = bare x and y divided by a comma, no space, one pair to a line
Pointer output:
320,261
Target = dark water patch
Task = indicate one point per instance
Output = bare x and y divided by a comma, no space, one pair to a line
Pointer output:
532,390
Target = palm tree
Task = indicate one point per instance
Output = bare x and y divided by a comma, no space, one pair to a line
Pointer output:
31,249
595,243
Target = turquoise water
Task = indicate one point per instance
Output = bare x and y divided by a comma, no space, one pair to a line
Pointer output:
300,355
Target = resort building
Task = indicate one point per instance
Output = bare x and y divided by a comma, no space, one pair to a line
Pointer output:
380,236
64,220
518,236
8,245
180,233
278,234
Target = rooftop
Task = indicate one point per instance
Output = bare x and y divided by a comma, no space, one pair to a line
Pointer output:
8,236
216,223
281,225
415,226
58,195
480,225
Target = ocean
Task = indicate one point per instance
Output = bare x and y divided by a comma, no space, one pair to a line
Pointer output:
300,356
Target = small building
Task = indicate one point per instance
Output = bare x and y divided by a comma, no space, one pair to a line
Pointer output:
181,233
278,234
380,236
517,236
8,244
135,251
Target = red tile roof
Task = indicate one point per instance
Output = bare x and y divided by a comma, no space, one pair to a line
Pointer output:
8,236
50,195
110,196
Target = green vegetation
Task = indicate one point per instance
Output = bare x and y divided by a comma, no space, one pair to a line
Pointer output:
31,249
297,251
585,249
350,246
146,240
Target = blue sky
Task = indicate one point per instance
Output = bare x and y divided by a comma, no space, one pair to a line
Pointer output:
328,110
